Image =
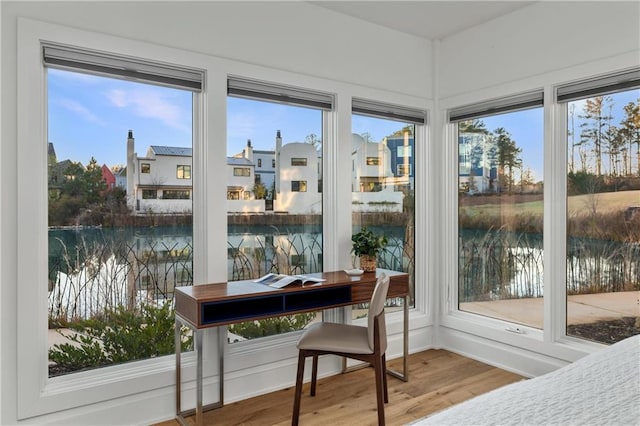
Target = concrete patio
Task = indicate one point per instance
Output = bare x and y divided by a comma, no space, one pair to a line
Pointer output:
581,309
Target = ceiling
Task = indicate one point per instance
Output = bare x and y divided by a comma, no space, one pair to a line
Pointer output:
426,19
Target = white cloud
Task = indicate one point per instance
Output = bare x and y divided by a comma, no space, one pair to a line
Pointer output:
151,103
118,98
79,109
241,125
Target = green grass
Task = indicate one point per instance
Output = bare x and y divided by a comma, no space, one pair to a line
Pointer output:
606,202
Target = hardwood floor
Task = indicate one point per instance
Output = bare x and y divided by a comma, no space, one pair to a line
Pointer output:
437,379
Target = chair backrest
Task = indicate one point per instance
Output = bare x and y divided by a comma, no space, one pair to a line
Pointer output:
376,308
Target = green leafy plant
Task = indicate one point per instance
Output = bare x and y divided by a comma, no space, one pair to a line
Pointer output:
271,326
121,336
366,242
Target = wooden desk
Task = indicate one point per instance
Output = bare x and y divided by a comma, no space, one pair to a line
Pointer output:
217,305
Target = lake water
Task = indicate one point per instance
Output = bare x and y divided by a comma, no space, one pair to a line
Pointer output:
94,266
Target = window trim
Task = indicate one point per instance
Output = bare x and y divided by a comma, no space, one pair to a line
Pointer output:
389,111
91,61
36,393
589,88
512,103
247,88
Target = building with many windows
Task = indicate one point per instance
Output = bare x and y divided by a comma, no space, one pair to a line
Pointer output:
477,154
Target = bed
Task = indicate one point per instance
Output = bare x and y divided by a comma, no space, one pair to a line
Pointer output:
603,388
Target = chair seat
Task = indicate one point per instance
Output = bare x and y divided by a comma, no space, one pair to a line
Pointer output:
332,337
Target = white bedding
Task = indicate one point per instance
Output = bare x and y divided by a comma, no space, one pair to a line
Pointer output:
602,388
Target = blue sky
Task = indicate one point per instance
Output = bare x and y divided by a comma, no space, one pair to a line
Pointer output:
91,115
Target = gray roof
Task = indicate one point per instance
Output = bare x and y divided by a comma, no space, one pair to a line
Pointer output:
172,150
239,161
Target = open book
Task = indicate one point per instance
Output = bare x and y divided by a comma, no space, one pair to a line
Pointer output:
280,281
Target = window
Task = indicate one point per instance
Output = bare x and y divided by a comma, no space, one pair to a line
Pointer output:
75,293
299,185
175,194
259,162
403,170
241,171
500,210
373,161
233,195
149,194
383,201
183,172
278,242
403,151
603,213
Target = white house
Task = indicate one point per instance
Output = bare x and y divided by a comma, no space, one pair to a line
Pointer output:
159,182
297,172
373,183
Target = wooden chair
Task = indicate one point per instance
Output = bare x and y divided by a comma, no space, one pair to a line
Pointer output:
366,344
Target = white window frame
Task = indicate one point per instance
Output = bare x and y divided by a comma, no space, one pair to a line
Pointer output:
36,393
80,395
489,337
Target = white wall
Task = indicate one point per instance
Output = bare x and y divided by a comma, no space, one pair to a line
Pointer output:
292,37
545,37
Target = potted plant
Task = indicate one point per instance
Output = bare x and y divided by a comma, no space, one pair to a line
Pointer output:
367,246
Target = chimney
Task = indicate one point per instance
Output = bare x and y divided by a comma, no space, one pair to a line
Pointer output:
131,199
248,151
278,148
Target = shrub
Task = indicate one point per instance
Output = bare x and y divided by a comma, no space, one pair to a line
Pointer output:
271,326
119,337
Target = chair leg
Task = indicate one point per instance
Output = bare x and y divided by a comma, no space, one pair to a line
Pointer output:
380,389
384,378
314,375
296,402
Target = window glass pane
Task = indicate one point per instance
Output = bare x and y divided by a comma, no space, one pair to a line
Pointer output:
500,216
603,220
274,221
119,242
383,199
183,172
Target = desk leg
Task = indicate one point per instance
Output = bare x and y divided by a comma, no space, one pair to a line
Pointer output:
404,376
178,350
222,344
198,336
198,343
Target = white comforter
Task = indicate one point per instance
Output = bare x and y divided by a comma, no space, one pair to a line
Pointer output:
602,388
